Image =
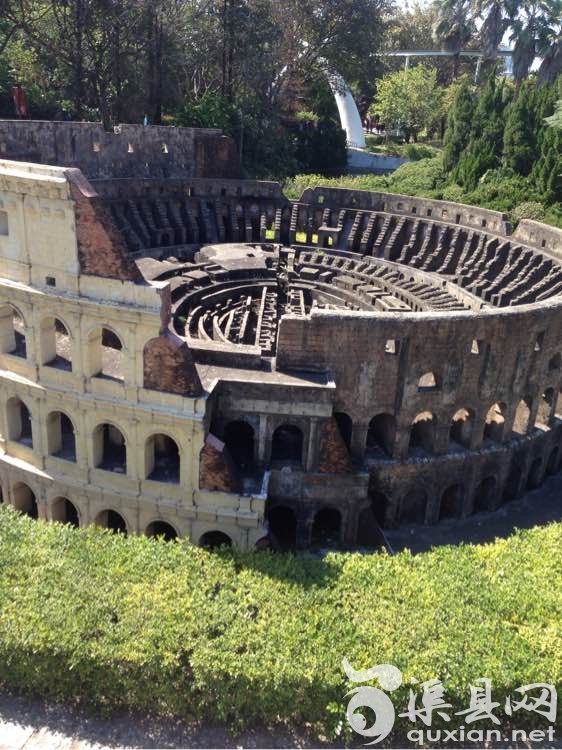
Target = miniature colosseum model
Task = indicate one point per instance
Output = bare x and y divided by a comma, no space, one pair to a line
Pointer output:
203,357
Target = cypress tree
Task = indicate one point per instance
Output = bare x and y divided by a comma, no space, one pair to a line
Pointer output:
459,127
520,143
548,170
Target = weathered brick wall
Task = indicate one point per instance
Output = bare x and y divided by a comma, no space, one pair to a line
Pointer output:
333,457
128,151
169,366
216,469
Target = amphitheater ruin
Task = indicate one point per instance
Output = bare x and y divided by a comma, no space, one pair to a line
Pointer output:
189,354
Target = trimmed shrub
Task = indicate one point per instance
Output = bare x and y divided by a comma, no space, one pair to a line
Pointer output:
529,210
135,623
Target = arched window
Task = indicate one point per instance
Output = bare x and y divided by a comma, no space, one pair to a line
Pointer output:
282,523
63,511
485,496
61,441
429,382
495,423
522,416
546,406
55,344
286,446
554,363
451,502
24,500
105,353
239,439
110,452
162,459
422,433
19,422
412,507
161,529
381,433
215,539
345,426
326,529
12,332
461,428
110,519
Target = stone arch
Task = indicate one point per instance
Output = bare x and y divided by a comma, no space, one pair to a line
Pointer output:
462,426
162,459
65,511
12,331
110,448
61,437
24,500
18,421
521,422
546,407
552,463
345,426
239,438
163,529
422,432
287,445
55,343
555,363
451,502
382,433
327,527
513,482
282,522
486,492
535,475
379,506
113,520
215,539
495,423
106,354
413,506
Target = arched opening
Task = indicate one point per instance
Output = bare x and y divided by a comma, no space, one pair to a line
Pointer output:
513,483
422,433
379,505
413,506
215,539
19,422
55,344
486,492
552,463
461,428
382,433
287,444
451,502
495,423
61,441
105,352
345,426
239,439
162,459
283,526
24,500
522,416
63,511
161,529
546,404
428,382
12,332
534,477
326,529
110,452
554,363
368,531
110,519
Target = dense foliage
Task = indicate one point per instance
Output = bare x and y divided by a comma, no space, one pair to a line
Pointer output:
138,623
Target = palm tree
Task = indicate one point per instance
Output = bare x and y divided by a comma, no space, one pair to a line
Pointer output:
454,27
536,31
497,16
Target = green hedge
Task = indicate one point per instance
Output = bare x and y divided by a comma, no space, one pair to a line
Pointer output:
138,623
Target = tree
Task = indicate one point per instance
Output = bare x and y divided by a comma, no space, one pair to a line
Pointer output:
408,99
497,16
555,120
536,30
520,135
459,126
454,28
548,169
